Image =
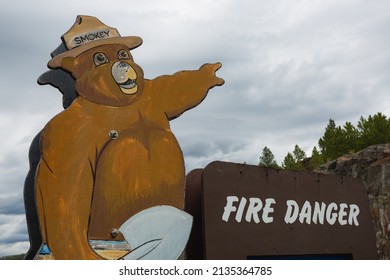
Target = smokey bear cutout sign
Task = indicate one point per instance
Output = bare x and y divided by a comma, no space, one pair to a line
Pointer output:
111,169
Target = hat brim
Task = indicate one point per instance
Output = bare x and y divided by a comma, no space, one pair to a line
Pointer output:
130,41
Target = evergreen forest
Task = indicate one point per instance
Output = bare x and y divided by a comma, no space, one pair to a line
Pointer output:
337,140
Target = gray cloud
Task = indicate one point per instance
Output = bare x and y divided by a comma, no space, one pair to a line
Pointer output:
13,228
12,204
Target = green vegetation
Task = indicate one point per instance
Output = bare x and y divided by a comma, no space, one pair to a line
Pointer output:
336,141
294,161
267,159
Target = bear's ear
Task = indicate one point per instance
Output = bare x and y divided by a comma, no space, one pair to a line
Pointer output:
68,64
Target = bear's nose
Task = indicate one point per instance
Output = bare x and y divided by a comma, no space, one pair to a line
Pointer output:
122,71
123,65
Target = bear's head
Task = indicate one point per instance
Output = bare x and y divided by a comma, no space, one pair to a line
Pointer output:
100,61
106,75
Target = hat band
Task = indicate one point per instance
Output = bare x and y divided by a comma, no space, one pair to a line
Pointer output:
89,36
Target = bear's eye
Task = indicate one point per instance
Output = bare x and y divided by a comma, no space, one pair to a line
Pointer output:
122,54
100,58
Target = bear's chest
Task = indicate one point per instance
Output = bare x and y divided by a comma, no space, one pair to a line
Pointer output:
94,125
134,171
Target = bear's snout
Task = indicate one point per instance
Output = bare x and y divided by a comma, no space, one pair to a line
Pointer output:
125,76
120,71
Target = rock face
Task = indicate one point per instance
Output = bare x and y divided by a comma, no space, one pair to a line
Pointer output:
372,166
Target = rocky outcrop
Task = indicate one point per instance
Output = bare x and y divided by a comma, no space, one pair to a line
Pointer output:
372,166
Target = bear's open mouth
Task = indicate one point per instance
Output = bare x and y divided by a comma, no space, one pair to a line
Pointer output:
128,84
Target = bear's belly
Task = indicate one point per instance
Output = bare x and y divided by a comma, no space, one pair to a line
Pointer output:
140,169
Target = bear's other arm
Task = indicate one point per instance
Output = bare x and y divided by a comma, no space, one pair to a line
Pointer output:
64,186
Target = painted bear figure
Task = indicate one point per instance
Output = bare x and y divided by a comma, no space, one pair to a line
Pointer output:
120,155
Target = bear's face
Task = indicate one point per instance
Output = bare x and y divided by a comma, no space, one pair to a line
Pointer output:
106,75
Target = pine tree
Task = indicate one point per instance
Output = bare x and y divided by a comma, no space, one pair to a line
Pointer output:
288,162
373,130
316,159
294,161
299,154
267,159
350,139
329,142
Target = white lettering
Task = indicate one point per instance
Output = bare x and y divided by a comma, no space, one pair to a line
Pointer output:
331,216
305,213
252,212
319,213
342,214
267,210
353,213
254,207
240,210
291,214
229,208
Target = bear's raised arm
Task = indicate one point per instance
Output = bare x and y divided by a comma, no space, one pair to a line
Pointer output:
183,90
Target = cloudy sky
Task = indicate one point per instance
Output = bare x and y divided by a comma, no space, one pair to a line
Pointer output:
289,66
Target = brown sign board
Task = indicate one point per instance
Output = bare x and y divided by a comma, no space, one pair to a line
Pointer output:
252,212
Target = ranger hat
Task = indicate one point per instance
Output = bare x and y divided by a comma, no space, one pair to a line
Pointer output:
88,32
